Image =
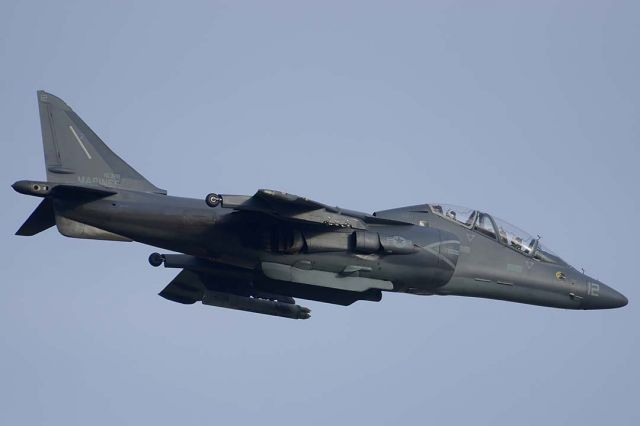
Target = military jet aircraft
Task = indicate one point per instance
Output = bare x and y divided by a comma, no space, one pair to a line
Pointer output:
257,253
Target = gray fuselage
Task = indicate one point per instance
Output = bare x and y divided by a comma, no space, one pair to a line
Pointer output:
482,266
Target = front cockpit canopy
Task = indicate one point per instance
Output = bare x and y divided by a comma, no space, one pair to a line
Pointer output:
496,228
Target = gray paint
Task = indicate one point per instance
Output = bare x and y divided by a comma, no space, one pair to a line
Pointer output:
278,245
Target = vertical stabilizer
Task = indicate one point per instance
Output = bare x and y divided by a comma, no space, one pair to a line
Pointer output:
74,154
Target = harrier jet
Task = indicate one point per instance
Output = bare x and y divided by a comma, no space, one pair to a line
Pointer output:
258,252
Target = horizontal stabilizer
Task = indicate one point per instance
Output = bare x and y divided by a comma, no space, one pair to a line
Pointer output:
41,219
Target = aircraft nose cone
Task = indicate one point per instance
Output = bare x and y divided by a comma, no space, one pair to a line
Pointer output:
601,296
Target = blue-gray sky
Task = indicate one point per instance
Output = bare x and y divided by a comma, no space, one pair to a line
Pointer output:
528,110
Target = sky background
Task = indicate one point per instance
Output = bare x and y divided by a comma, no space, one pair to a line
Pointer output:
527,110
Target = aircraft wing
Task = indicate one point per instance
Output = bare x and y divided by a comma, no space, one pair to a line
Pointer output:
284,206
186,288
273,282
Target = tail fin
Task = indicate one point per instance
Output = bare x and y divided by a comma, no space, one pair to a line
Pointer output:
74,154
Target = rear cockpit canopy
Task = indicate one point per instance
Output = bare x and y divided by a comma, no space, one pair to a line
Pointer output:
498,229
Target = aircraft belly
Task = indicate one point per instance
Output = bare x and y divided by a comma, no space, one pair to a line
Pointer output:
282,272
510,291
73,229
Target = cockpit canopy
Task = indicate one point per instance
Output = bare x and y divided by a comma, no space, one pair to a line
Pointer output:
498,229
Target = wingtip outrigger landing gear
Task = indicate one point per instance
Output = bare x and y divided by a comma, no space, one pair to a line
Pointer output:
213,199
156,259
